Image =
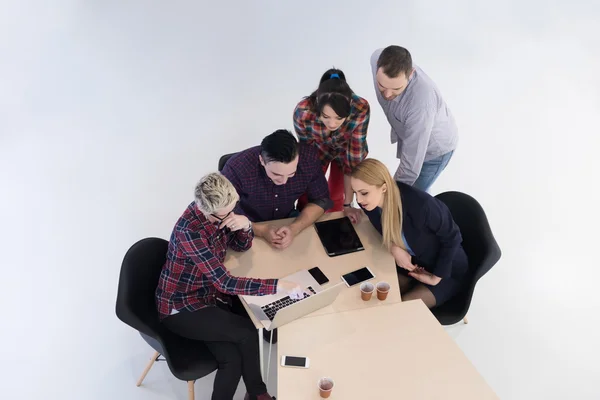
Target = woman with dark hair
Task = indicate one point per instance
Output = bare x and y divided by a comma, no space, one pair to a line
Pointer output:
335,120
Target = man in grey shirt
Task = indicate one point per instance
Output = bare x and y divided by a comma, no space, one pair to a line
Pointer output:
422,125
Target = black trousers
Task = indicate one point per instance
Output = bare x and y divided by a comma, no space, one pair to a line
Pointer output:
232,338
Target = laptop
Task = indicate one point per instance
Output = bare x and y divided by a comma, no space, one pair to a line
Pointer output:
338,236
277,310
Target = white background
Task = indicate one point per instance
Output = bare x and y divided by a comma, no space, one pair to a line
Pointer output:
110,111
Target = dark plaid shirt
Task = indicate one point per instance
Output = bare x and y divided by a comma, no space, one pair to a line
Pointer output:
194,276
261,199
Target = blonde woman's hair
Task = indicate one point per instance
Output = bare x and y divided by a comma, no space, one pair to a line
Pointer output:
214,192
374,172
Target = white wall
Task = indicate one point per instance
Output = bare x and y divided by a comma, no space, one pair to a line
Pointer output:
111,110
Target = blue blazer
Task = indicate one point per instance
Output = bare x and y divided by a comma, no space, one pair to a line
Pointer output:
430,232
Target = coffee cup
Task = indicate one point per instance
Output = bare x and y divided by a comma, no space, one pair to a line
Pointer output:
382,290
325,387
366,290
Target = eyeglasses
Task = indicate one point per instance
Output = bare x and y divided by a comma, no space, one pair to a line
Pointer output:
237,203
222,218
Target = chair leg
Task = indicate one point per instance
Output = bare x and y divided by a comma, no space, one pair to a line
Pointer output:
465,320
191,395
150,364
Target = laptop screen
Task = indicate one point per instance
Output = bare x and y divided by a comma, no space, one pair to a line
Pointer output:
338,236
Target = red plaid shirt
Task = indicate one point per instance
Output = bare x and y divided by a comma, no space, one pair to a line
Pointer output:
194,276
347,145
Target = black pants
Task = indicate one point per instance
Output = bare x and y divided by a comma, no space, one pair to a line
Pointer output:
232,338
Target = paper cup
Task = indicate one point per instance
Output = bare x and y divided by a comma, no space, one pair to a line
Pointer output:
325,387
382,290
366,290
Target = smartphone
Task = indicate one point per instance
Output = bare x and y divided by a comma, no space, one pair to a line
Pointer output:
296,362
318,275
358,276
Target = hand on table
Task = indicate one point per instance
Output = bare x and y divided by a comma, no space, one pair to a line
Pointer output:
292,289
235,222
286,235
355,214
271,235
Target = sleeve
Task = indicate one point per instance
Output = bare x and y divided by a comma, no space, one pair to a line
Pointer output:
439,221
230,172
358,148
241,240
412,145
300,124
318,191
196,248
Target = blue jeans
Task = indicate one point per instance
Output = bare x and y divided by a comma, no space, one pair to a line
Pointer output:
431,170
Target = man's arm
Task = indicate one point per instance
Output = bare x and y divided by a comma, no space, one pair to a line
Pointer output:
412,143
307,217
261,229
318,197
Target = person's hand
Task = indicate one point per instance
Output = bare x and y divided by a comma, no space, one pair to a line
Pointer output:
271,235
235,222
420,274
286,236
292,289
403,258
355,214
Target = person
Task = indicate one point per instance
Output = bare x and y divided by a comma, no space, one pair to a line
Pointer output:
270,178
423,127
335,120
417,229
196,295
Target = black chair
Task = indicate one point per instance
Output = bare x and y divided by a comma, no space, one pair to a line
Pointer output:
187,359
223,160
481,248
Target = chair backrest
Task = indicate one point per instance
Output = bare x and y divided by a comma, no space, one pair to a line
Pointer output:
478,241
223,160
140,271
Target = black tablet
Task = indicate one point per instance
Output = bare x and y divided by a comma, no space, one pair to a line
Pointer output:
338,236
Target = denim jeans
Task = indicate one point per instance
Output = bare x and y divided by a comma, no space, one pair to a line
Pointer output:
431,170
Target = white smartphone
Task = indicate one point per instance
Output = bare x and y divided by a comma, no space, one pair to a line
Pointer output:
358,276
296,362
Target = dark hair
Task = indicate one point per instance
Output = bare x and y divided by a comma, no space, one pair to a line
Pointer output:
279,146
334,92
395,60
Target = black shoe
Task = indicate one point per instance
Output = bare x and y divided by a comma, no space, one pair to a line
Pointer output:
267,335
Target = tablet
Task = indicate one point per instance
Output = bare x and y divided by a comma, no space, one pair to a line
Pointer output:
338,236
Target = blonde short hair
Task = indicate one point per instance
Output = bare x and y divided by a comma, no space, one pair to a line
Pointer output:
214,192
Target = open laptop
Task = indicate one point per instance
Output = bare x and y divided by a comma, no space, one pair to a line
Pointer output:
338,236
277,310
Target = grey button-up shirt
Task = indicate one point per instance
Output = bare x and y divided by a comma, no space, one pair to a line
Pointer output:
423,127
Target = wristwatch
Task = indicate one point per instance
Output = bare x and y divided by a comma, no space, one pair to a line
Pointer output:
249,226
347,205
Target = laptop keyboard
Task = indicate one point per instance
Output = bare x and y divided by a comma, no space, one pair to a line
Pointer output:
272,308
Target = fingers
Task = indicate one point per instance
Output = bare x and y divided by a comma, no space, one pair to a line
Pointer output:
283,231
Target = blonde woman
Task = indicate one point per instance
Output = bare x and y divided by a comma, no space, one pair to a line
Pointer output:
196,295
417,229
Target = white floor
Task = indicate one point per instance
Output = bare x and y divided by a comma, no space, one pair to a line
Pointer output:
110,111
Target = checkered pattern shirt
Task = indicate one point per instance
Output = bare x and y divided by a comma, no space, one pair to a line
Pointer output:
347,145
194,276
261,199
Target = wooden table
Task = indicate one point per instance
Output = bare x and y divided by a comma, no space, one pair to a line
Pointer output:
395,351
306,251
